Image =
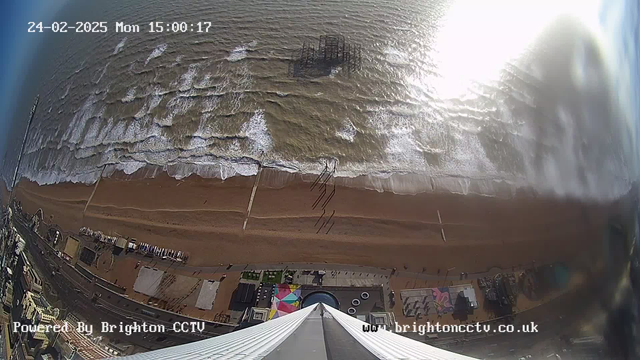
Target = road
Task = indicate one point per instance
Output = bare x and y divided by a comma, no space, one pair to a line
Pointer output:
76,291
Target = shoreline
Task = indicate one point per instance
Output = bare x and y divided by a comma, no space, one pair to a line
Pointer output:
381,229
397,181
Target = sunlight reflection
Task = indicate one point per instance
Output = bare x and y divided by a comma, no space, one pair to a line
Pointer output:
479,37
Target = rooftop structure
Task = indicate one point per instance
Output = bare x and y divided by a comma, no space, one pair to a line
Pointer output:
148,281
35,307
385,319
207,294
7,299
36,310
318,332
71,247
467,291
30,279
75,345
354,300
245,293
256,315
121,243
437,301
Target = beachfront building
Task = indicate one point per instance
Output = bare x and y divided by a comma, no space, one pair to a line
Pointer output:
36,310
26,278
256,315
317,332
7,297
73,344
30,279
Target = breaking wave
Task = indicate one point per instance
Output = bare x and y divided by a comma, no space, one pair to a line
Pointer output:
217,111
157,52
120,46
240,52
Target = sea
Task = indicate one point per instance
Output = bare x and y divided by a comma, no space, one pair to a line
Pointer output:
464,96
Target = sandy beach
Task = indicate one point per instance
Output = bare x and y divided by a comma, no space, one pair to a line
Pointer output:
205,217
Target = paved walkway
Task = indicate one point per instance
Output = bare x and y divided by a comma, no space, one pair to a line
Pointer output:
452,275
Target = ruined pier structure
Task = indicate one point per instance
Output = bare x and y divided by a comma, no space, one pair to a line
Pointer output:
332,52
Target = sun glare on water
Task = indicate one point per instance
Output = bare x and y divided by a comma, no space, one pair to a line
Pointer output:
478,38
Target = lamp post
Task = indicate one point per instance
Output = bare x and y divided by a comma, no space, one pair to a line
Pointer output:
14,179
447,274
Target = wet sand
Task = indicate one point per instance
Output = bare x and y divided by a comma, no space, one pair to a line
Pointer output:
205,217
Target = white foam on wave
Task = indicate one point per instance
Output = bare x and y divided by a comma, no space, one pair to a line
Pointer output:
210,103
467,157
142,112
396,57
347,132
96,133
66,92
237,54
153,141
258,133
159,50
240,52
54,176
205,82
205,128
102,72
73,132
186,80
131,95
133,132
130,167
219,168
402,150
152,101
178,60
178,105
412,139
120,46
82,67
